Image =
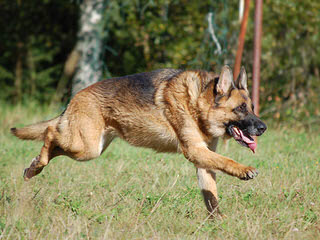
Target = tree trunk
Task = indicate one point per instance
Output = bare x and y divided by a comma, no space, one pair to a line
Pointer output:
68,72
32,71
90,45
18,74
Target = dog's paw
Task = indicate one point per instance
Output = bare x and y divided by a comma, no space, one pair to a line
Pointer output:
29,173
248,173
26,174
34,169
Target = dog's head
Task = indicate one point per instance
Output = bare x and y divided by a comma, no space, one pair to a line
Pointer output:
231,114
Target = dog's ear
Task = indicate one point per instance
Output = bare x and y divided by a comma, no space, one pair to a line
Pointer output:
241,82
225,82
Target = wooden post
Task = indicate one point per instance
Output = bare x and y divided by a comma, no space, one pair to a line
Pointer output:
241,39
257,54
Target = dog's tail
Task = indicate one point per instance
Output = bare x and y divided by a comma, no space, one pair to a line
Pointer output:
34,131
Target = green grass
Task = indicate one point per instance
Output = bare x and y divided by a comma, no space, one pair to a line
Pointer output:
134,193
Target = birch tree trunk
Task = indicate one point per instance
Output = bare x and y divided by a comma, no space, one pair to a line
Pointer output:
90,45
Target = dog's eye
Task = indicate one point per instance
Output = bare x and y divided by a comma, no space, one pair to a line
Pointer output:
242,108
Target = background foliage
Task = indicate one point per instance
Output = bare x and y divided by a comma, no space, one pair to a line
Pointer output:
140,35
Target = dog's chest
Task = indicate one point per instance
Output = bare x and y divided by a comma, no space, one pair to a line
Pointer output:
163,141
151,132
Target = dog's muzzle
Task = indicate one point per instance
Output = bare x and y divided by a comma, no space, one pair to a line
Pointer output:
244,130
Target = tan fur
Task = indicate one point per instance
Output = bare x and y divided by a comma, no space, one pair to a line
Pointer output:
34,131
175,111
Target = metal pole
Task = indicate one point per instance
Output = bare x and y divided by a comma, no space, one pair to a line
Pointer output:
257,54
241,39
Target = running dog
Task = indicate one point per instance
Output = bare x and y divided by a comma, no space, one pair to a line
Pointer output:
167,110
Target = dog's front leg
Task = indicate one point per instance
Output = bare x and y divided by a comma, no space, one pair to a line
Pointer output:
202,157
196,151
208,185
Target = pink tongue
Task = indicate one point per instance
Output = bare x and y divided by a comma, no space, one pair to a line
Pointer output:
252,144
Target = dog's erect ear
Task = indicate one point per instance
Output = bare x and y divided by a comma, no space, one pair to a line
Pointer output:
241,82
225,83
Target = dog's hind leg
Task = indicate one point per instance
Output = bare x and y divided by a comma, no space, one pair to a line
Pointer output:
208,185
91,147
90,137
39,162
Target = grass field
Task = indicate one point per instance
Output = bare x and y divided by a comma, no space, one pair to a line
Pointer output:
132,193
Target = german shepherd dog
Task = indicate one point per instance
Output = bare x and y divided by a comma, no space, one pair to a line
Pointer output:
166,110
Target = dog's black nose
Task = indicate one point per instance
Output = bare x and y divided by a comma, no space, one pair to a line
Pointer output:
261,127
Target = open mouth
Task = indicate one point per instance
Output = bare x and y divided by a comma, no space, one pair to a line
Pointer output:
242,138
